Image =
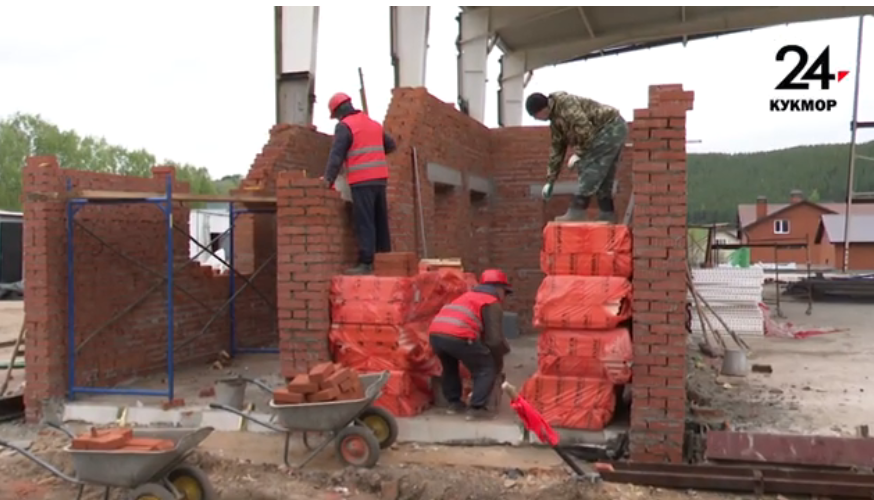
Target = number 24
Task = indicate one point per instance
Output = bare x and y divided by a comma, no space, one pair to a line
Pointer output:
819,70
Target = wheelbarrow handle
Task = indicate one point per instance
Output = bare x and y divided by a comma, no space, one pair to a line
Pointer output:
261,385
38,461
61,428
250,418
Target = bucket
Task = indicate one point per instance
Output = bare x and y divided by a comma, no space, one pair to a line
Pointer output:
230,392
734,364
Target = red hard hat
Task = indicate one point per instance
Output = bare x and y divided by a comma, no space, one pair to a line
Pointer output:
336,100
494,277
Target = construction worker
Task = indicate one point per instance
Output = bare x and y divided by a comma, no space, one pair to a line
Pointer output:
469,330
597,133
362,145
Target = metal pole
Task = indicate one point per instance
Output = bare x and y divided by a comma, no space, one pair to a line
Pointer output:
171,318
852,170
232,282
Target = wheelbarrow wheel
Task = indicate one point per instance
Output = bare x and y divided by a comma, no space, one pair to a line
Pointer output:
192,483
151,491
381,423
358,447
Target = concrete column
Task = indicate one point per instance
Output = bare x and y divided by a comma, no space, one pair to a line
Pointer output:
297,33
511,91
409,44
473,53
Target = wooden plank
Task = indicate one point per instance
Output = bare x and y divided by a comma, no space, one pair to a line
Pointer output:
92,194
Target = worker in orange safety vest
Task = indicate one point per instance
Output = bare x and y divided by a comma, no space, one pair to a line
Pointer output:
469,330
362,145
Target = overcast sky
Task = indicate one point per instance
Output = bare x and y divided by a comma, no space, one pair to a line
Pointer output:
195,84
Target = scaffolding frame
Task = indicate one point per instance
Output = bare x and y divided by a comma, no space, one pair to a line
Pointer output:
76,200
855,124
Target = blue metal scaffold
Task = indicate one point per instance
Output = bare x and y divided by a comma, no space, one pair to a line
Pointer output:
164,201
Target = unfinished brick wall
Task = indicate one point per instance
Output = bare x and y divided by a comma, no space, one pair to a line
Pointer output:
659,228
106,284
314,244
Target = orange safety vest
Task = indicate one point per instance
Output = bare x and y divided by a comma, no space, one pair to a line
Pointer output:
463,317
365,160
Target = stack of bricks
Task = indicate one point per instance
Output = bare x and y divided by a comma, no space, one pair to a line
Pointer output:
119,439
401,264
326,382
659,314
313,244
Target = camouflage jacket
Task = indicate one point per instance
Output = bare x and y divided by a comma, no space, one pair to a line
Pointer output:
574,121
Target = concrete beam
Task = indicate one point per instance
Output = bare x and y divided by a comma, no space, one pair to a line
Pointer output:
559,189
409,44
481,185
297,40
448,176
705,23
473,53
511,90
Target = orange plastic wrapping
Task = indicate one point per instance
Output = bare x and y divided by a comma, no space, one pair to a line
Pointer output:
590,354
586,238
572,402
371,300
402,397
582,302
586,264
586,249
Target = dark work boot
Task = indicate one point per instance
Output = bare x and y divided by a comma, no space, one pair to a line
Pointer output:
455,408
359,270
576,212
608,217
606,211
480,414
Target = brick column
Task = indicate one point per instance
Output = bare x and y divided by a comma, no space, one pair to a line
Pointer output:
314,242
658,406
45,272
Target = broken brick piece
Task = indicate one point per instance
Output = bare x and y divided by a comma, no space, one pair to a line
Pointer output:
102,439
324,396
321,372
207,392
175,403
149,444
302,385
283,396
350,383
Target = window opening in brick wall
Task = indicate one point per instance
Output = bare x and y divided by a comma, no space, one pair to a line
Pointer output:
478,199
781,226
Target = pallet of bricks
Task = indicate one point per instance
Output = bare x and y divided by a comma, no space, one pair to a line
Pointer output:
380,322
582,310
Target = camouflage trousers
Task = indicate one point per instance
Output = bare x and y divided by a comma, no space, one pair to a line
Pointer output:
596,167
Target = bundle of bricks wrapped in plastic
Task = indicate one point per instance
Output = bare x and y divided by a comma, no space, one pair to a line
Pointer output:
380,322
324,383
582,310
118,439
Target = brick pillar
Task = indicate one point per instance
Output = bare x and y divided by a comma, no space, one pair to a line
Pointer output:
314,242
45,272
658,405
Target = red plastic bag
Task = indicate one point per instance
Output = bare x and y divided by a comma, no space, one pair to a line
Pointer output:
371,300
572,402
585,237
582,302
589,354
587,264
402,397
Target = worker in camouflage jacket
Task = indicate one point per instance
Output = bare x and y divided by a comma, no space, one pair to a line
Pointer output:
597,133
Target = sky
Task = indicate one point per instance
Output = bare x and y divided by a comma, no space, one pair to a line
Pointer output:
195,84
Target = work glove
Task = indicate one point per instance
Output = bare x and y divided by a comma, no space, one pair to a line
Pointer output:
546,193
572,162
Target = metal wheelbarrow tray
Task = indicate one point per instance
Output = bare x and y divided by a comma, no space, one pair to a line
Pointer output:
146,473
356,444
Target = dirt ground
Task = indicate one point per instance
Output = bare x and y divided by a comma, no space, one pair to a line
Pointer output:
819,384
237,479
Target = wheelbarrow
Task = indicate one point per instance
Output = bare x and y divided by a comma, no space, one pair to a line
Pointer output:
358,429
154,475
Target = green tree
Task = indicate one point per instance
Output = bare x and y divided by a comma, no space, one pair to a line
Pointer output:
23,135
814,195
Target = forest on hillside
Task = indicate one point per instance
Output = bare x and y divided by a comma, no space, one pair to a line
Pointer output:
718,183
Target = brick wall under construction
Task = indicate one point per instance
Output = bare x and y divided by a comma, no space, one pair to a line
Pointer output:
312,239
